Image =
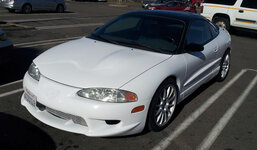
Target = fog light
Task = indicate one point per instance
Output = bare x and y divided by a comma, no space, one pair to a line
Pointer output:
112,122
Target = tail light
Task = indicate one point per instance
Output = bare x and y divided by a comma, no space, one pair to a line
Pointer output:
202,9
152,8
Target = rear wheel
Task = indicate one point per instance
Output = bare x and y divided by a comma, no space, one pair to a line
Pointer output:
224,67
222,22
60,9
26,9
163,106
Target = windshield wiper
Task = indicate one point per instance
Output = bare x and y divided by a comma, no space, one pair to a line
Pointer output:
149,47
105,39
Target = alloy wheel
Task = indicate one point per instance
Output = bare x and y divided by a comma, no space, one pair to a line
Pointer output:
166,105
225,67
26,9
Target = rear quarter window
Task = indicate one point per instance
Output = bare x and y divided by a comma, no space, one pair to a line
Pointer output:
222,2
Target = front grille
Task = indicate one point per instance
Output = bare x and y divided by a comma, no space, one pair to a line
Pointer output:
65,116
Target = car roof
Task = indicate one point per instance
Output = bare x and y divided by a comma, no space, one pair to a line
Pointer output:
183,16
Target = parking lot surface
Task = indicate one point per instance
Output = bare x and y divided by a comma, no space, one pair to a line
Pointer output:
218,116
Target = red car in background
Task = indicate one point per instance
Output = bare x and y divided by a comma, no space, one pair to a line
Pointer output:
174,5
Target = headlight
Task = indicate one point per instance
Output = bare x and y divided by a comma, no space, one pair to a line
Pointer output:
3,37
34,72
108,95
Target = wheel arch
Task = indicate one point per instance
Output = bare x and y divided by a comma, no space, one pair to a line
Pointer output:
222,15
229,50
27,3
59,4
173,77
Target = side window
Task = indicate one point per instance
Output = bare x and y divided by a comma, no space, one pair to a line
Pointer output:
182,4
165,1
198,33
172,4
249,4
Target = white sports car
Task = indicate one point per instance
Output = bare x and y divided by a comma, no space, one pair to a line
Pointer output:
127,75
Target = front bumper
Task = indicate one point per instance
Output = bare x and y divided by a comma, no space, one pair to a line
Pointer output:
101,119
10,5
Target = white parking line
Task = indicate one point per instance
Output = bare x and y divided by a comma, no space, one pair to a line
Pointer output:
33,20
42,44
37,14
69,26
11,92
216,130
251,70
46,41
11,83
163,144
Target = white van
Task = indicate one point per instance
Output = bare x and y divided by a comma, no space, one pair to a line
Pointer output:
227,13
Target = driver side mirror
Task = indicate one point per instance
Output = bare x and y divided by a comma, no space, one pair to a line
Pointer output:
194,47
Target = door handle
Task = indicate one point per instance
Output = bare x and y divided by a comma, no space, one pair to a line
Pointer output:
241,11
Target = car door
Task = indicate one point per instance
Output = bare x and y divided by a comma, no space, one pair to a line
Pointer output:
200,64
51,4
246,15
37,4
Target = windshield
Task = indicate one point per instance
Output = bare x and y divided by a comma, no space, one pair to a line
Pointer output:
144,32
160,1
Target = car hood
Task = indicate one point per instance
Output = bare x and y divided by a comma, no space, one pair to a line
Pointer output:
87,63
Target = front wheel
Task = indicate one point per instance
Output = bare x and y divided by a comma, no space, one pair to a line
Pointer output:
26,9
60,9
163,106
11,10
224,67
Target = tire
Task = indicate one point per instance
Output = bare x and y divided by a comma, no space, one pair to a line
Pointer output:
222,22
224,67
162,106
26,9
59,8
11,10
